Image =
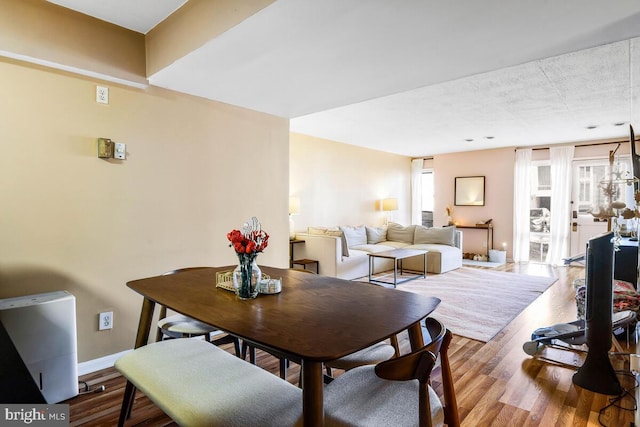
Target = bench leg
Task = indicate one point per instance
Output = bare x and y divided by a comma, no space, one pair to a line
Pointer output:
127,403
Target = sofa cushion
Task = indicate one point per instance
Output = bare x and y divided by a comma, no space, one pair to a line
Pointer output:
356,253
355,235
435,235
376,234
395,245
335,232
400,233
372,249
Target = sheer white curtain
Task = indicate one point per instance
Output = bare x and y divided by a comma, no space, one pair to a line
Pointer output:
522,205
416,190
560,220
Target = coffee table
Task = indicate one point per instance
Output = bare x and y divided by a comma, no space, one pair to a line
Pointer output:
397,255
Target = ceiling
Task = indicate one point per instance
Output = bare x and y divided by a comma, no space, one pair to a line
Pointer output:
417,77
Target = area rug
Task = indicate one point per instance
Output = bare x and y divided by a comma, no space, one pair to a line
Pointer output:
478,303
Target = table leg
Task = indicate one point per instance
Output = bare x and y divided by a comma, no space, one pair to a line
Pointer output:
395,272
312,394
424,270
142,338
370,267
415,336
144,326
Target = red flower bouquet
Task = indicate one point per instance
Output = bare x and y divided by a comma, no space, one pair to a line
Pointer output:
248,243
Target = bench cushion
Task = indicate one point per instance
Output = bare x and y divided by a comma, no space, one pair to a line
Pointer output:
199,384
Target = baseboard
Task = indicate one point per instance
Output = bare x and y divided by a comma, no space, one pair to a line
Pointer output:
487,264
95,365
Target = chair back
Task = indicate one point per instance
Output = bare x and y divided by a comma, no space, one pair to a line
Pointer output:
163,309
419,364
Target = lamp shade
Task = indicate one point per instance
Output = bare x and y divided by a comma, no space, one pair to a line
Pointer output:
294,205
389,205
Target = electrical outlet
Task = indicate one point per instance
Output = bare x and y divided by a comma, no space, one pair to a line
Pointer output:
105,321
102,95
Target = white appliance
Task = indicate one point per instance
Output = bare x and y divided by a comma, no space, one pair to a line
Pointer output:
43,330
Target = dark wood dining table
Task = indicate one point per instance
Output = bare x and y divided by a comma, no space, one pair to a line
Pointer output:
313,320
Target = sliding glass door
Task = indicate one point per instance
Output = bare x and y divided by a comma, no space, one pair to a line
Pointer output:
540,212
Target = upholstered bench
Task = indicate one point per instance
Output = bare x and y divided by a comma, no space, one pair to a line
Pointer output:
198,384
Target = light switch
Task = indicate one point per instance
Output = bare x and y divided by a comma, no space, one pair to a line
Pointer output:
120,151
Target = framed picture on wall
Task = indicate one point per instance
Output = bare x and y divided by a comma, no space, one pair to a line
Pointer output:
469,191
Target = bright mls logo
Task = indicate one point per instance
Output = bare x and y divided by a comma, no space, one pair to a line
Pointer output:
36,415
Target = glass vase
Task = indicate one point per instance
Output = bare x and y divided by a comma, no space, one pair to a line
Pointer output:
246,277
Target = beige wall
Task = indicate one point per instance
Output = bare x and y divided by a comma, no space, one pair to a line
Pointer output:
497,168
193,25
47,32
69,220
341,184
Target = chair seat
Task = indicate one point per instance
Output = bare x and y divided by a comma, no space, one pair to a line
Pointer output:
368,356
360,398
177,326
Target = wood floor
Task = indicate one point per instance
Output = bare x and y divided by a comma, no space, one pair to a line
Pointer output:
496,383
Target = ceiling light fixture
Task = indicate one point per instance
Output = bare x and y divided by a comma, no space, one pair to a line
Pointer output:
592,127
619,124
489,137
469,139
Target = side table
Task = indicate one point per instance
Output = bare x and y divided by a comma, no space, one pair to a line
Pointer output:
303,262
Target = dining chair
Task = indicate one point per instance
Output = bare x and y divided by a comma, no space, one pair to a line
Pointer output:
368,356
181,326
387,393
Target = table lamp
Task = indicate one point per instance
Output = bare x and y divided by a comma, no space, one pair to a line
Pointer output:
388,206
294,209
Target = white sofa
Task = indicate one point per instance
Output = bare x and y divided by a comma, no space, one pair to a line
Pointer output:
342,251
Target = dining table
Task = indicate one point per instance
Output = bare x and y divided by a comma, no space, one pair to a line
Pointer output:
312,320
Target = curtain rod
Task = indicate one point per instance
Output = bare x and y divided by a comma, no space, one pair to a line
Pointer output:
592,144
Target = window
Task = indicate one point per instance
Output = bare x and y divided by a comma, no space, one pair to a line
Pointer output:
540,211
590,176
427,198
544,178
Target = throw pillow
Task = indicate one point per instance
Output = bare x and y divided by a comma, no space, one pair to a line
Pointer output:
400,233
435,235
376,234
317,230
355,235
331,232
